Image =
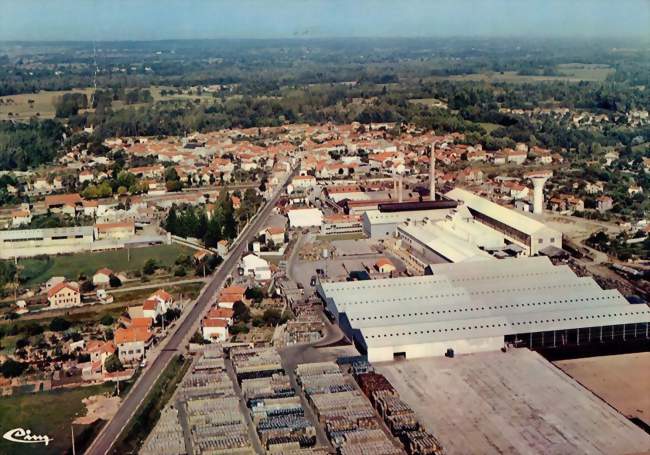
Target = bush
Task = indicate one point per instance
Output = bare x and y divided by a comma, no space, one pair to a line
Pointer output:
107,320
59,325
272,316
149,267
114,281
113,363
180,271
240,327
86,287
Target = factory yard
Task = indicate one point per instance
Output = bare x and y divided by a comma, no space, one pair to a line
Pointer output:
623,381
510,403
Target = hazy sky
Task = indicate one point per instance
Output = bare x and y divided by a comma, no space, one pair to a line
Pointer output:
174,19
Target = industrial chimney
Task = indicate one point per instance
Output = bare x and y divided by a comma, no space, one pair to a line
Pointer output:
432,173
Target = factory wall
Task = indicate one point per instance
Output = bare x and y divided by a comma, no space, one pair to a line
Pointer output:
435,349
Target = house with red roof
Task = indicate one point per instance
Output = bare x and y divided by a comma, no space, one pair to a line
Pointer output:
229,295
132,343
64,295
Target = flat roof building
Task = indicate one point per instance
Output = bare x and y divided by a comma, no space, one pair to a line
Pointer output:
514,225
32,242
378,225
481,306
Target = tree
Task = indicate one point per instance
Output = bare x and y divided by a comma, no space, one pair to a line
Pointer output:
241,312
13,369
107,320
114,281
113,364
272,316
254,293
86,286
149,267
59,324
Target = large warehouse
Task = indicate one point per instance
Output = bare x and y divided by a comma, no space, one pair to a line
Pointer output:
518,228
32,242
481,306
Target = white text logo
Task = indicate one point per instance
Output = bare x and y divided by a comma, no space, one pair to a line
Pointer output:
25,437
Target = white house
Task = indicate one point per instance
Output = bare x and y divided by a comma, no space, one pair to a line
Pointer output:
256,267
102,277
215,329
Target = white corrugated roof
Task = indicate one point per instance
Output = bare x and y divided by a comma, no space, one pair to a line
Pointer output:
479,299
445,243
505,215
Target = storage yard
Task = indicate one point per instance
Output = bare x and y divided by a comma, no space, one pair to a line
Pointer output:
623,381
510,403
275,407
204,415
352,424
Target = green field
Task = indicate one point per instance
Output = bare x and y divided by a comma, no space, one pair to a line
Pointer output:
45,413
19,107
35,271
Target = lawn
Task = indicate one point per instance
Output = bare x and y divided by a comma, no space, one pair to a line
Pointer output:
45,413
35,271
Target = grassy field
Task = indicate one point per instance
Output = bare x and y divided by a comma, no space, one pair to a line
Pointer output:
430,102
572,72
43,104
46,413
36,271
489,127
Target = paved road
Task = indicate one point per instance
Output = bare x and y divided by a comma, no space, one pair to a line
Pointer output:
111,431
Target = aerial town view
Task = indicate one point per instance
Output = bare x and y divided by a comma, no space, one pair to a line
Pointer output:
325,227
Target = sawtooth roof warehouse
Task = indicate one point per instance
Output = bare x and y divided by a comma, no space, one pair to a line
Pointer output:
480,306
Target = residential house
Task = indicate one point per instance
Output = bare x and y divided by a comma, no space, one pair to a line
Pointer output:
102,277
229,295
68,204
20,217
64,295
604,203
132,343
385,265
274,234
256,267
214,329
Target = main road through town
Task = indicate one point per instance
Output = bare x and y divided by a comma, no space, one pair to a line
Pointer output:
111,431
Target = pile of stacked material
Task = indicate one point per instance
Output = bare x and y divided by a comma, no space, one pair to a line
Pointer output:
255,362
166,437
399,417
348,416
276,386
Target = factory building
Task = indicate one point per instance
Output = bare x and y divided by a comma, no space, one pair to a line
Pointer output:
517,228
32,242
382,222
481,306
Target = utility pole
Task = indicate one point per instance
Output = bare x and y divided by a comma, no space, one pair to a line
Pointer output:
74,452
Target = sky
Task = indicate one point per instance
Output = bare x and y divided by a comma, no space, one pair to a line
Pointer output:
103,20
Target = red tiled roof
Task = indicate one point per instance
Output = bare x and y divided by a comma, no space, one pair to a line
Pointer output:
132,334
55,289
